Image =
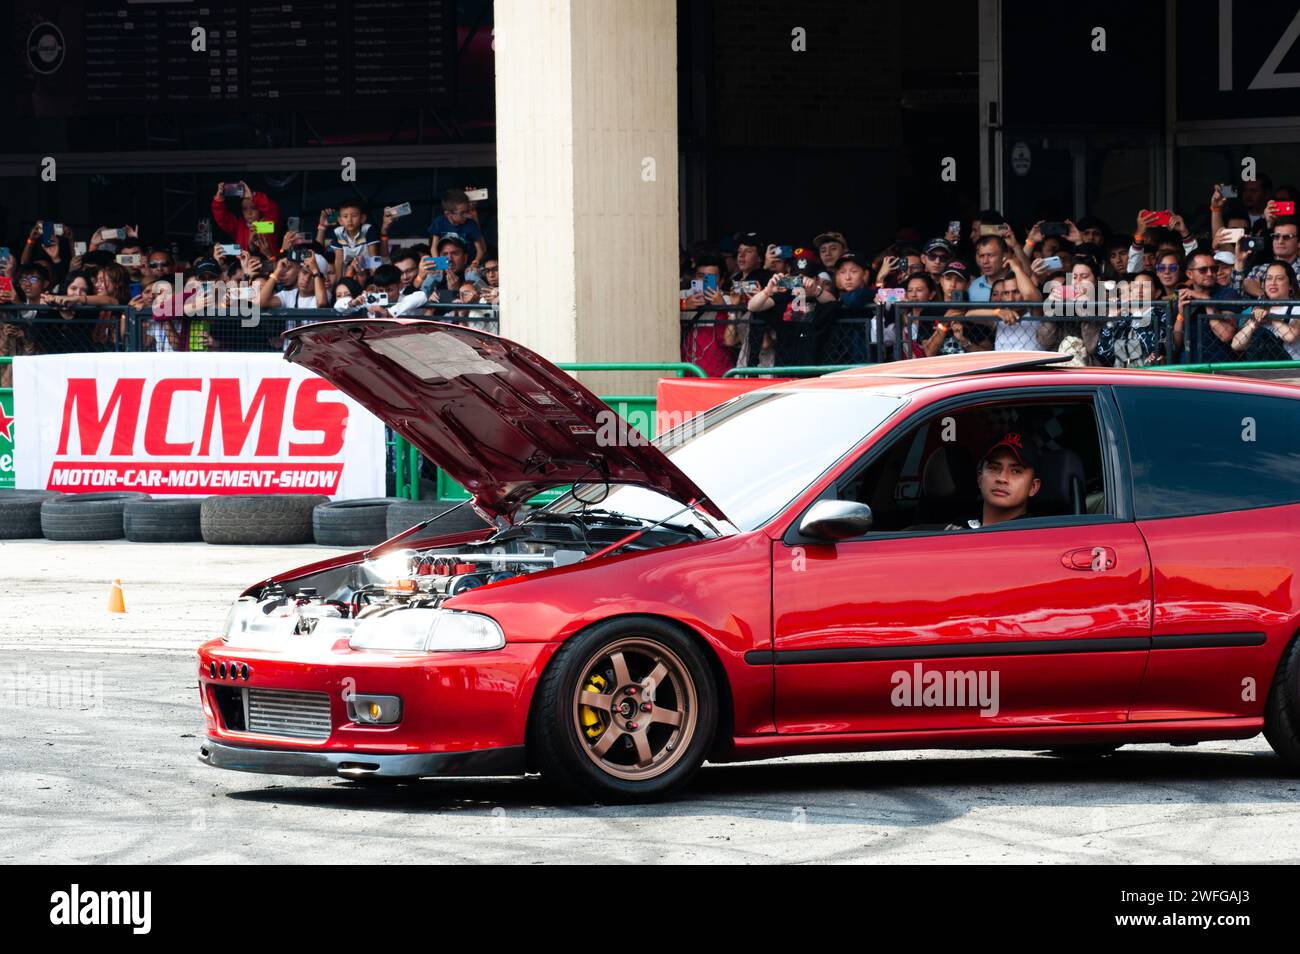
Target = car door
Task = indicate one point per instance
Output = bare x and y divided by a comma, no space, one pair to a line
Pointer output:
1035,622
1216,481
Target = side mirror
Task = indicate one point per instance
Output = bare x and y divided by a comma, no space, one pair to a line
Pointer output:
832,520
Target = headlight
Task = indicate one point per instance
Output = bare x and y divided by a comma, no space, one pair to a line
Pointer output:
428,631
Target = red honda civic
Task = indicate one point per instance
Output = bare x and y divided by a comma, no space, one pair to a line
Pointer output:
983,550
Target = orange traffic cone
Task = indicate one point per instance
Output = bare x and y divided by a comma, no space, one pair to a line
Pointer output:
115,602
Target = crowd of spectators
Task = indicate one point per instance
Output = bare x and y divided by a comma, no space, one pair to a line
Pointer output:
1105,296
65,295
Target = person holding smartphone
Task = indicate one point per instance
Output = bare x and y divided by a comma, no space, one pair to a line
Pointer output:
253,207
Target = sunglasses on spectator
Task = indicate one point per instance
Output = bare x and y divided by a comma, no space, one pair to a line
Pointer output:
1284,236
158,263
491,268
1166,268
30,280
1202,268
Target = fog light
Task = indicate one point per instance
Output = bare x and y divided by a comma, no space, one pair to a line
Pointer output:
374,710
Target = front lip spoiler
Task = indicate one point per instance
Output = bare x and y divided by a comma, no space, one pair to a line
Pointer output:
508,760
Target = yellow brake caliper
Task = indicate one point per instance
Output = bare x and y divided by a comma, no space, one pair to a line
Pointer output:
593,720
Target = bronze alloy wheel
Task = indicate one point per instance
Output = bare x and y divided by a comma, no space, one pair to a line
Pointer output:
634,708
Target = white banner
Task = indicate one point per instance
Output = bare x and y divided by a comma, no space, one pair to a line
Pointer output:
190,424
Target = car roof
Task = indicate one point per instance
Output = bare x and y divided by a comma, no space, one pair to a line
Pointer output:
990,370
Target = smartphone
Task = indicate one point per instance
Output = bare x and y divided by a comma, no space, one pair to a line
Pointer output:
233,189
1051,263
47,233
78,249
332,219
710,282
229,249
986,229
1254,243
113,234
1227,190
400,210
131,261
1284,208
5,255
6,283
371,262
471,275
1161,218
697,287
441,262
785,251
1054,228
58,228
377,298
790,282
263,227
477,195
293,223
1233,235
955,226
198,328
890,294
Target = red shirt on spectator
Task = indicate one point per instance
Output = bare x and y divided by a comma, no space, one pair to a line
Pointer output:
239,230
706,345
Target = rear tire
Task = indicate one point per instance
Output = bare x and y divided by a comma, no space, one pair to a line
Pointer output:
1282,711
638,742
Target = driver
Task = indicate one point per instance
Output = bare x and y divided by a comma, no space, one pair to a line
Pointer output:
1008,478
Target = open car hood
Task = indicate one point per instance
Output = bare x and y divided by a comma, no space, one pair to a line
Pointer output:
499,418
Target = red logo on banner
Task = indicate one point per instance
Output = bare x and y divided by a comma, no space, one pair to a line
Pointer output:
234,425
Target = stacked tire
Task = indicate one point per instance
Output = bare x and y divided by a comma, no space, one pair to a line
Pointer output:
173,520
20,513
96,516
258,518
352,523
457,516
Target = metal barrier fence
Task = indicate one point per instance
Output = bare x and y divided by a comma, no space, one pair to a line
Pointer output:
1096,332
62,329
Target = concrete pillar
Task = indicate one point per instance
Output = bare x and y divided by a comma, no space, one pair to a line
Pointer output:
586,122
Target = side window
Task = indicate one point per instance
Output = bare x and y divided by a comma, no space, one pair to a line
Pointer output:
926,479
1197,452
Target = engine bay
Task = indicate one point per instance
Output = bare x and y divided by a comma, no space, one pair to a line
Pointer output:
390,578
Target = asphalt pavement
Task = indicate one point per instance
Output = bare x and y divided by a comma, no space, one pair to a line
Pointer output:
100,727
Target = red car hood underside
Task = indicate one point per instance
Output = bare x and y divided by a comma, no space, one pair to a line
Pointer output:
498,418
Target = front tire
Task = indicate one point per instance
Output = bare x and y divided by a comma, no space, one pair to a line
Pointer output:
625,712
1282,712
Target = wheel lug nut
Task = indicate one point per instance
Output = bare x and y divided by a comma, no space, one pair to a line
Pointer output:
629,691
631,726
645,707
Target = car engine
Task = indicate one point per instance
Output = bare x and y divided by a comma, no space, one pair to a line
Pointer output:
332,601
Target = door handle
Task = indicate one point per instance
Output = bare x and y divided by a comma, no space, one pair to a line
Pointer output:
1089,558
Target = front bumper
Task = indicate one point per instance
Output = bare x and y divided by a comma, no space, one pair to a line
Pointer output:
508,760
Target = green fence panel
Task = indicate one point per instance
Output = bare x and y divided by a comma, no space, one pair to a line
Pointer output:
6,432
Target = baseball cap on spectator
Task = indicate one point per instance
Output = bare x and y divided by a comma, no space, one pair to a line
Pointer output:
956,267
825,237
454,239
1024,451
751,239
1225,258
936,244
206,266
852,258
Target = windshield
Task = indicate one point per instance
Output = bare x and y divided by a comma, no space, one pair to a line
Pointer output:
751,455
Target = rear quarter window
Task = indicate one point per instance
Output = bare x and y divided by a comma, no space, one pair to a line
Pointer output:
1197,451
